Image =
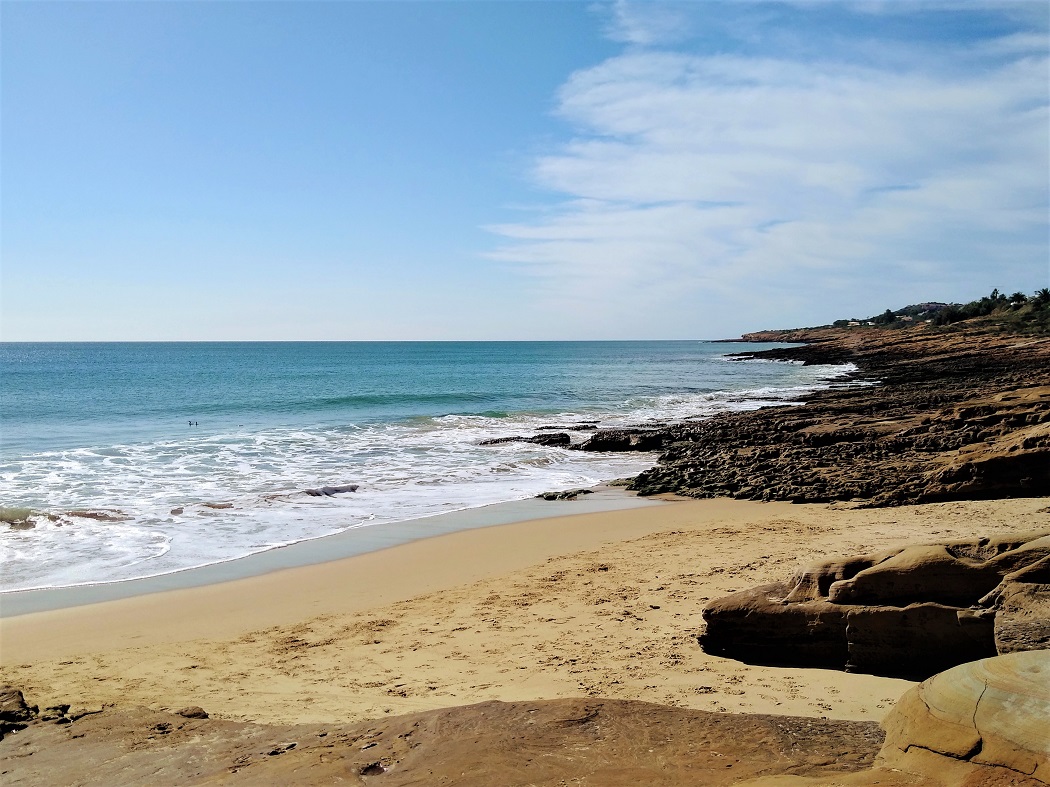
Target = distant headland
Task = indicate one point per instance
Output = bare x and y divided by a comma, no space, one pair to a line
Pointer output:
948,402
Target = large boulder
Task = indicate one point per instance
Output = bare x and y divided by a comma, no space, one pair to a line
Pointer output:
975,722
907,612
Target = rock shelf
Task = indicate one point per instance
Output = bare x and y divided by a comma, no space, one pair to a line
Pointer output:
955,414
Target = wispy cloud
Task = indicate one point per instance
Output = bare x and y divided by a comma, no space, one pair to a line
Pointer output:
646,25
764,177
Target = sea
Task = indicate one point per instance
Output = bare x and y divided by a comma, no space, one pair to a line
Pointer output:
127,460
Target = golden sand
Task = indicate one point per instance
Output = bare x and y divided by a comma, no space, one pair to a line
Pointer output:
604,604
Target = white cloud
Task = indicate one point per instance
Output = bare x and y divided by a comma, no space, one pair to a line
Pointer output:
1017,44
747,175
645,25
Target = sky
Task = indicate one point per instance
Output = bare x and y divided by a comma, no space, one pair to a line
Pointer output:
513,170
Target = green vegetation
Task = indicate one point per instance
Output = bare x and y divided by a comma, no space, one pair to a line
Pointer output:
987,305
918,312
1018,312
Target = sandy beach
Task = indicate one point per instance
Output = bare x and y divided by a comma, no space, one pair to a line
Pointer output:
592,605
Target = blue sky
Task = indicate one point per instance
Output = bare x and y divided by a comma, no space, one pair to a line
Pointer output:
504,170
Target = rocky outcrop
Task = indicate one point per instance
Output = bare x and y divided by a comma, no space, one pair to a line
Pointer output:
956,414
16,715
908,612
625,440
571,428
600,440
986,722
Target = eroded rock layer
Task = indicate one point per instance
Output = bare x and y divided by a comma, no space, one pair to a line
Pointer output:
907,612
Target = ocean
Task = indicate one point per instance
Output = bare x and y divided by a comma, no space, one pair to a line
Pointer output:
140,459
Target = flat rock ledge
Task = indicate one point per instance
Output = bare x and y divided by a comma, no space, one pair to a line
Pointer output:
597,742
908,612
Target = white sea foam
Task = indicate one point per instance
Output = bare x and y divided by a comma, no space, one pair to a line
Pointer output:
405,470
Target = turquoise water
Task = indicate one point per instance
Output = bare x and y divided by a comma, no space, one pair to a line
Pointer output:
145,458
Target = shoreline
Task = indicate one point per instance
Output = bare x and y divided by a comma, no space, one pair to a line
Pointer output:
579,609
168,505
322,549
600,605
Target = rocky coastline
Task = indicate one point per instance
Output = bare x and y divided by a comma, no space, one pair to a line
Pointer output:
930,415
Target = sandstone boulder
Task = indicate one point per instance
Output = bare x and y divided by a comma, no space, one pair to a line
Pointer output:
975,720
1022,605
907,612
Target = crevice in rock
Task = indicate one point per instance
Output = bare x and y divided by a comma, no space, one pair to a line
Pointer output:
950,755
973,719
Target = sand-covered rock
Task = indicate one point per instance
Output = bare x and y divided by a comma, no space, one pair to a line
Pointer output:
908,612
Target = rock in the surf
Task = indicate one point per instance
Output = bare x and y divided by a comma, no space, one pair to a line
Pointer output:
556,439
330,491
625,440
568,494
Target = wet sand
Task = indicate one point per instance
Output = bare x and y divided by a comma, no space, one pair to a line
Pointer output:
354,541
